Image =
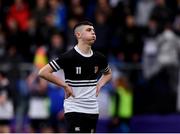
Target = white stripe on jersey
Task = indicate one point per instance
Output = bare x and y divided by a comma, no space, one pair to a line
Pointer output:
106,69
56,64
81,85
81,81
54,67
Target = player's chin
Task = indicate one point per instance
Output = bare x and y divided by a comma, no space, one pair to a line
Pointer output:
92,41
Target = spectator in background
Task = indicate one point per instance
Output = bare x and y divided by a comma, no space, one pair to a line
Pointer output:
71,40
152,29
39,12
58,11
2,45
168,44
38,18
131,43
119,12
39,107
76,10
18,23
23,100
13,57
164,62
161,13
57,45
19,14
47,31
33,38
149,102
121,105
6,104
143,12
56,109
149,56
104,6
177,23
12,60
90,8
103,41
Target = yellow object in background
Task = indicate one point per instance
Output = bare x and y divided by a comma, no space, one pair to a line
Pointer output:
121,103
40,58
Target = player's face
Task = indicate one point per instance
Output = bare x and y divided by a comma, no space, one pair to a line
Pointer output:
88,34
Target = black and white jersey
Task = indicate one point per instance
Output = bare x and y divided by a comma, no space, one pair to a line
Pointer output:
81,73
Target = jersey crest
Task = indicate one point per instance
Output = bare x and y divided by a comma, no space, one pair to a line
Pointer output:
96,68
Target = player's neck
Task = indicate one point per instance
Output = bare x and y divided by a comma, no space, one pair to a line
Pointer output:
84,48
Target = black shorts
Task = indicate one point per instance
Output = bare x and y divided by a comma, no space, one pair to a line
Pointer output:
81,122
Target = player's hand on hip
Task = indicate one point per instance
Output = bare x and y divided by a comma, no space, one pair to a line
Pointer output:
98,87
68,91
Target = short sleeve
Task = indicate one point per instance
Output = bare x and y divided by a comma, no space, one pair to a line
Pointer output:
57,64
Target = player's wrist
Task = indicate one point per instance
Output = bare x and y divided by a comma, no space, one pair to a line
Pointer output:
99,84
65,86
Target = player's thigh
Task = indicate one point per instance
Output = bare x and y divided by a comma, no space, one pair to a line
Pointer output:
72,121
81,122
89,122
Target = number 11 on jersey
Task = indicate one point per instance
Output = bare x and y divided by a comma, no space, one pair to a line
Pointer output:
78,70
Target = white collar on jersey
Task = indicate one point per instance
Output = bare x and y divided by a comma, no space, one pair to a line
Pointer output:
85,55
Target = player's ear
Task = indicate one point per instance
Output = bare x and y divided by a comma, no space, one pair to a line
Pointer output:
77,34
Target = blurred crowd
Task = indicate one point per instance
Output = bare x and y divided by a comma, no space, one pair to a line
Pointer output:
140,38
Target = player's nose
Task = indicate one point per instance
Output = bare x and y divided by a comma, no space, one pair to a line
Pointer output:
93,32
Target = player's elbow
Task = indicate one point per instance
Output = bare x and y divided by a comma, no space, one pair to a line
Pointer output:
45,72
109,74
41,73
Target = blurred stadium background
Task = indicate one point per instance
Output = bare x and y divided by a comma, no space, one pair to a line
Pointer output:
141,39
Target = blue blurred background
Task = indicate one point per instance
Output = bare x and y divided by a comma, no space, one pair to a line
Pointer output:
140,38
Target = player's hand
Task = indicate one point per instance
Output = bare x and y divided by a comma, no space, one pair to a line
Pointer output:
98,88
68,91
3,99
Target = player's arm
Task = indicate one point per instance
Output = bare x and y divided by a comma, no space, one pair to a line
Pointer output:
47,73
103,80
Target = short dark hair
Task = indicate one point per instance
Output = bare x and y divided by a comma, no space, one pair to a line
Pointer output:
82,23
